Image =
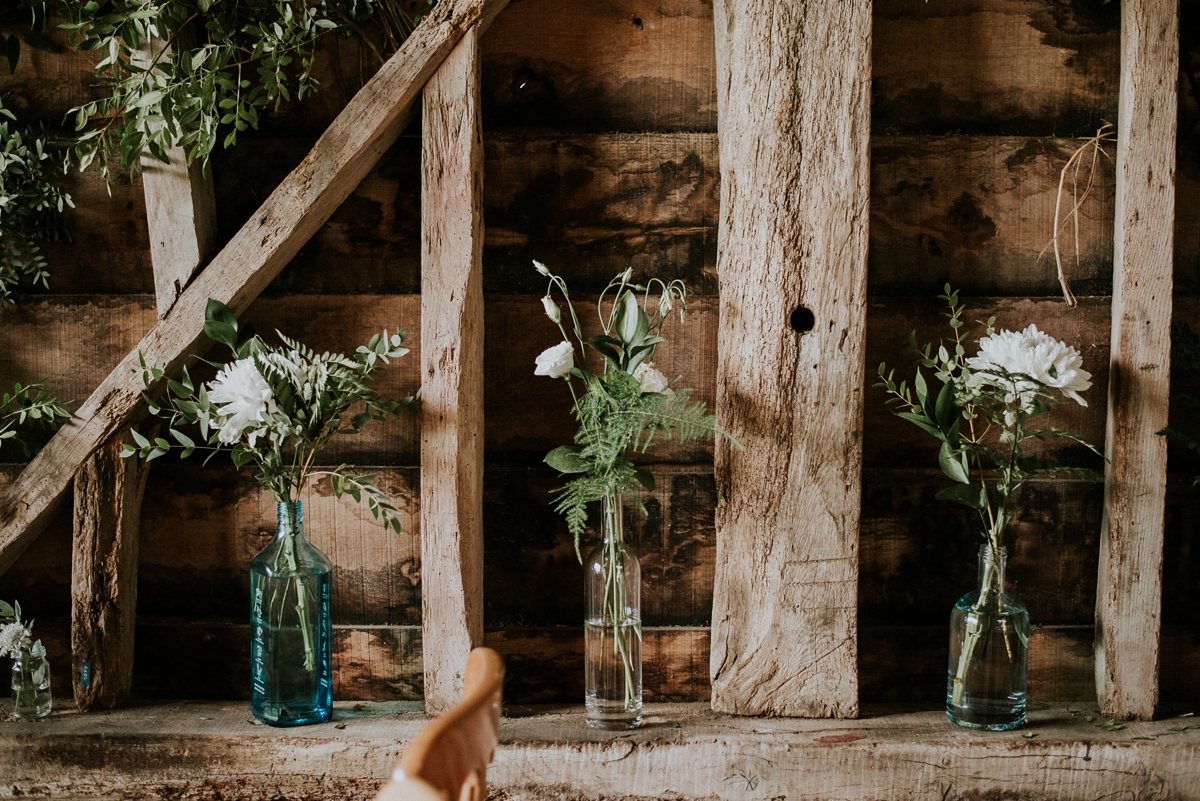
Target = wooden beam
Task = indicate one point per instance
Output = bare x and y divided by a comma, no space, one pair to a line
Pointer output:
451,373
181,210
104,559
207,749
1129,591
794,101
343,155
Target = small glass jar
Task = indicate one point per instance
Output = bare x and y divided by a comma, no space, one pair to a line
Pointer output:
989,652
31,683
613,628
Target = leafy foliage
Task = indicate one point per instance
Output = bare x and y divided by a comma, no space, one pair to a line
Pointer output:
33,204
24,21
299,401
996,419
26,408
616,415
1185,369
195,73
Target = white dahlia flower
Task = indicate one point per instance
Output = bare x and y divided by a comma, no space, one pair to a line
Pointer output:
243,398
1031,353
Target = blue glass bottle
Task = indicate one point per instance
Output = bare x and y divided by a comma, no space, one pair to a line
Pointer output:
989,652
291,668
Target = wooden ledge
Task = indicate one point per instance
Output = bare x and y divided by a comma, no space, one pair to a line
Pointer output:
211,750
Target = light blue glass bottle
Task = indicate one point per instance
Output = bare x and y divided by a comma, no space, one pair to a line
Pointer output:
989,652
291,671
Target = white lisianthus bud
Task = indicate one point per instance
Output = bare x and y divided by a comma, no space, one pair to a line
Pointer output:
557,361
552,310
627,275
541,268
665,305
650,379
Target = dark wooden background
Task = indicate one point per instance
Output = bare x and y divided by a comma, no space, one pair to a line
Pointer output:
601,153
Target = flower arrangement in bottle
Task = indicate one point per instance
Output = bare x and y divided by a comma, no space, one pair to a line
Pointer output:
621,409
983,416
30,670
277,407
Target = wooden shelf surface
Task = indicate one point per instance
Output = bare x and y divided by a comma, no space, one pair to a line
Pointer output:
210,749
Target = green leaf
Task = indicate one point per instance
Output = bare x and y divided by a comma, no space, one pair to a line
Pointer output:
951,464
220,323
139,439
968,495
567,459
182,438
922,422
944,409
922,391
645,478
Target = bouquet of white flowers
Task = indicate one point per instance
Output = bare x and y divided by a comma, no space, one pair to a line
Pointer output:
620,410
277,406
1015,377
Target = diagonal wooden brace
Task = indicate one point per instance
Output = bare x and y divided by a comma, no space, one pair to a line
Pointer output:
341,158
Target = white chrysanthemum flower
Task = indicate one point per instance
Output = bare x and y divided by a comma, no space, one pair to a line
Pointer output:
1035,354
13,637
243,398
557,361
650,379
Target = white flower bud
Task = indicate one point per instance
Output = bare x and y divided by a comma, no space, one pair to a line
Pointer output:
541,268
665,305
552,310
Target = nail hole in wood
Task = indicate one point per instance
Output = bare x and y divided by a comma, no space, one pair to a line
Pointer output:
802,320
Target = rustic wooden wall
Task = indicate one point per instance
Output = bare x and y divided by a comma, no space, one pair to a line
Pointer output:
601,152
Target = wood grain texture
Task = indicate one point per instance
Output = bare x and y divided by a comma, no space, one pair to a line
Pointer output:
209,750
340,159
793,92
182,217
1010,67
1129,595
104,560
452,336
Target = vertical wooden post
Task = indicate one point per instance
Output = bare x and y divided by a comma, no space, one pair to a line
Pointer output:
181,219
794,101
108,502
452,373
181,213
1129,592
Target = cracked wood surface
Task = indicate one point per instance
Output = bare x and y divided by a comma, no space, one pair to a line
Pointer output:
685,751
363,131
452,322
793,94
1129,592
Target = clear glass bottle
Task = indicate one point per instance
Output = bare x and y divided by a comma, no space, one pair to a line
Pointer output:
989,652
31,683
613,628
291,668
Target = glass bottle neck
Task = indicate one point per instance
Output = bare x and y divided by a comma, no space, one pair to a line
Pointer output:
291,519
991,570
612,524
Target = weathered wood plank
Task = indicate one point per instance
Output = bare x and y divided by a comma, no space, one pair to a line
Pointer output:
1024,67
293,213
181,213
1129,593
973,210
104,560
210,751
452,374
793,233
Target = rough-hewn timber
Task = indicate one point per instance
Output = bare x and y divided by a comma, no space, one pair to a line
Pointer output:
346,152
104,561
452,339
794,97
210,751
1129,593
